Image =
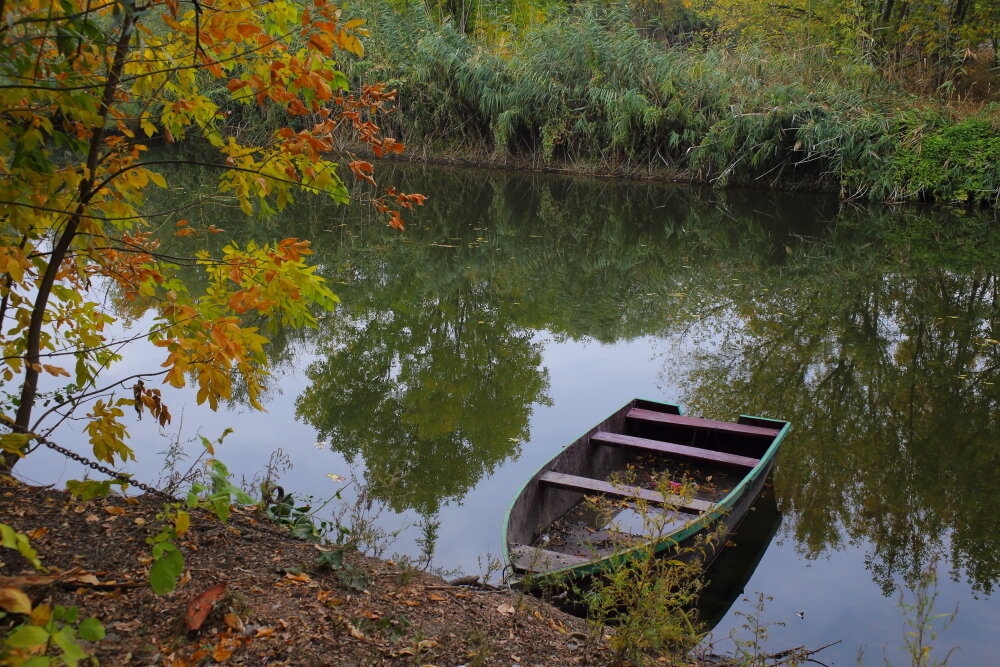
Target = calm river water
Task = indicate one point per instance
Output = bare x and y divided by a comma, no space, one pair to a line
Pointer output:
517,311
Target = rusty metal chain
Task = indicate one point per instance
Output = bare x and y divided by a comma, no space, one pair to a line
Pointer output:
156,492
107,471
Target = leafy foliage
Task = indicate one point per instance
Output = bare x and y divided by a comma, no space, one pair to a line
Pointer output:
32,632
168,561
46,629
86,89
957,162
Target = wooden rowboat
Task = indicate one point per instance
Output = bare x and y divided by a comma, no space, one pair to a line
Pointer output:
553,529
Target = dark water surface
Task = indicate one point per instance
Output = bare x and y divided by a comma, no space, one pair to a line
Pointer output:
517,311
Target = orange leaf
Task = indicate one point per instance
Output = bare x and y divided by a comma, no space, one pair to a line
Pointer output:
199,608
221,654
265,632
248,29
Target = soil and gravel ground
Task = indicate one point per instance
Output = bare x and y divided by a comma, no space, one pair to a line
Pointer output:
277,607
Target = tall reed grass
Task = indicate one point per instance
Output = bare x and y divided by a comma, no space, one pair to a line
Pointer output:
586,87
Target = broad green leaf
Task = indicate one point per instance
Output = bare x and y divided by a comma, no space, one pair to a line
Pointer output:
91,629
165,572
27,636
66,640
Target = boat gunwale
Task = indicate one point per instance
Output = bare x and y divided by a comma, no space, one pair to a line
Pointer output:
695,525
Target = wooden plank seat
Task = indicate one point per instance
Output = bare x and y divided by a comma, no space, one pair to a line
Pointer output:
533,559
682,451
654,416
585,484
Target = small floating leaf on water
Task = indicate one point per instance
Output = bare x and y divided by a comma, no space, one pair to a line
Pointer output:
993,341
336,478
321,444
534,236
962,377
514,439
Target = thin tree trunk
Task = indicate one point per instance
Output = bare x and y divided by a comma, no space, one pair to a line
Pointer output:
29,388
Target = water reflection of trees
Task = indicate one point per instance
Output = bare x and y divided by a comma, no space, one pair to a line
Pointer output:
432,393
886,371
855,328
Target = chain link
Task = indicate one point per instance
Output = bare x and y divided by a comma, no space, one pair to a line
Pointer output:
107,471
253,523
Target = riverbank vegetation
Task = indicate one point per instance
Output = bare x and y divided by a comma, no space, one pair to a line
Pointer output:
887,100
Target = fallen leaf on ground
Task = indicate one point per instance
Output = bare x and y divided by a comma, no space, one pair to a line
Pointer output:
221,654
357,634
14,601
199,607
434,597
233,622
506,608
265,632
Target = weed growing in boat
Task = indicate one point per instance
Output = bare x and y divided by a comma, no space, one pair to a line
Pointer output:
647,596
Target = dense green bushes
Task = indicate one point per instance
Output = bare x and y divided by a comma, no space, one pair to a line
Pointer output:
586,88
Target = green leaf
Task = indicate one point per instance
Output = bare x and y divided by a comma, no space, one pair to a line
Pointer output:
220,505
331,560
27,636
354,578
165,571
66,640
91,629
14,540
89,489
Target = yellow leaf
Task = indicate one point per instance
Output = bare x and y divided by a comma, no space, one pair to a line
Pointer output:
14,442
14,601
158,179
41,615
182,522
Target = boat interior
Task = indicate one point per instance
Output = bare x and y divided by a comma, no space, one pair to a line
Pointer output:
645,472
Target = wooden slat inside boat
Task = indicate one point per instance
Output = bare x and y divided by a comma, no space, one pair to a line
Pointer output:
634,461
